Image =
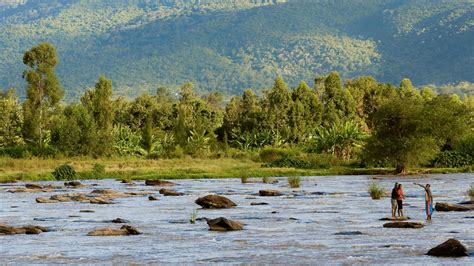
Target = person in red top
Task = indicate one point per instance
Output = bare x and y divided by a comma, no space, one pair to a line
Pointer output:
401,197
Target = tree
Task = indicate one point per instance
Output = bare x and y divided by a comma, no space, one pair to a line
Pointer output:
147,135
278,104
10,119
338,103
99,103
43,93
305,113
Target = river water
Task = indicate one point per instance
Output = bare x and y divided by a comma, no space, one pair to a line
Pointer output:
298,228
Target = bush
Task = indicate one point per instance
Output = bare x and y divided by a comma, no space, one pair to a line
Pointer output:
244,178
453,159
294,181
376,192
266,180
64,172
268,155
294,163
470,192
98,170
16,152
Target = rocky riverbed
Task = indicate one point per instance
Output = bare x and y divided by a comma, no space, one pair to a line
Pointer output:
327,220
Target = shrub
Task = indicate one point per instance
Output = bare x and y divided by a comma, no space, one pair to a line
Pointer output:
268,155
266,180
294,181
470,192
453,159
294,163
64,172
98,170
376,191
244,178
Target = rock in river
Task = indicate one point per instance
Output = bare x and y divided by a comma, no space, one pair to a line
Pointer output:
170,192
450,248
269,193
125,230
73,184
403,225
29,229
215,202
448,207
158,182
223,224
152,198
98,196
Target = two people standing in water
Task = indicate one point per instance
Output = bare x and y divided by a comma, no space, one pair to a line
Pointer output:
398,195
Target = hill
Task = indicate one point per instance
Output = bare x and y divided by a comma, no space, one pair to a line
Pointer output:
230,45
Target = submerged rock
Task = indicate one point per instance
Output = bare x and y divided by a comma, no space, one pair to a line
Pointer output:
215,202
450,248
349,233
448,207
73,184
98,196
403,225
467,202
222,224
33,186
159,182
119,221
269,193
258,203
152,198
395,219
29,229
170,192
125,230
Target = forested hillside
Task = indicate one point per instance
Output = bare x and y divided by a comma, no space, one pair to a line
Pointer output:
231,45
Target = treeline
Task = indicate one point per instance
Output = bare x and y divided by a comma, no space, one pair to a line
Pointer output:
360,121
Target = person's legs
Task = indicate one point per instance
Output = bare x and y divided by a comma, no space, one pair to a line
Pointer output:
400,208
394,208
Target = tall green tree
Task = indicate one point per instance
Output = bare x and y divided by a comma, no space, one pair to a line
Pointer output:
43,93
277,106
338,103
100,105
305,112
10,119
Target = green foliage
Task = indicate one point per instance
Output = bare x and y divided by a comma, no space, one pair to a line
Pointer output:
126,142
64,172
340,140
194,215
294,163
453,159
294,181
10,119
268,154
376,192
266,180
98,170
42,95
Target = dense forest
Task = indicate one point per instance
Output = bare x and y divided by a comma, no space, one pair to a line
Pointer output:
231,45
361,121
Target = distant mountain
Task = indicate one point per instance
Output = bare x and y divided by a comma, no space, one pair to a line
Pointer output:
231,45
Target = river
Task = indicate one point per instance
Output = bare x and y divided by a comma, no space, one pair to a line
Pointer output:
300,227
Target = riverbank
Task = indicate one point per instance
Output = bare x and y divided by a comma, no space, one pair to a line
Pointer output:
37,169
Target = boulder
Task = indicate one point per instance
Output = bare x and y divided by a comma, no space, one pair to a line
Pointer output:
152,198
45,200
98,196
33,186
73,184
223,224
450,248
119,221
395,219
158,182
170,192
467,202
125,230
215,202
269,193
403,225
448,207
29,229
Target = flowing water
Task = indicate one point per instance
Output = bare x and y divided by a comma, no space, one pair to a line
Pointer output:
300,227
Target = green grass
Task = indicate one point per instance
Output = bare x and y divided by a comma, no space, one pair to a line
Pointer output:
376,192
294,181
36,169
